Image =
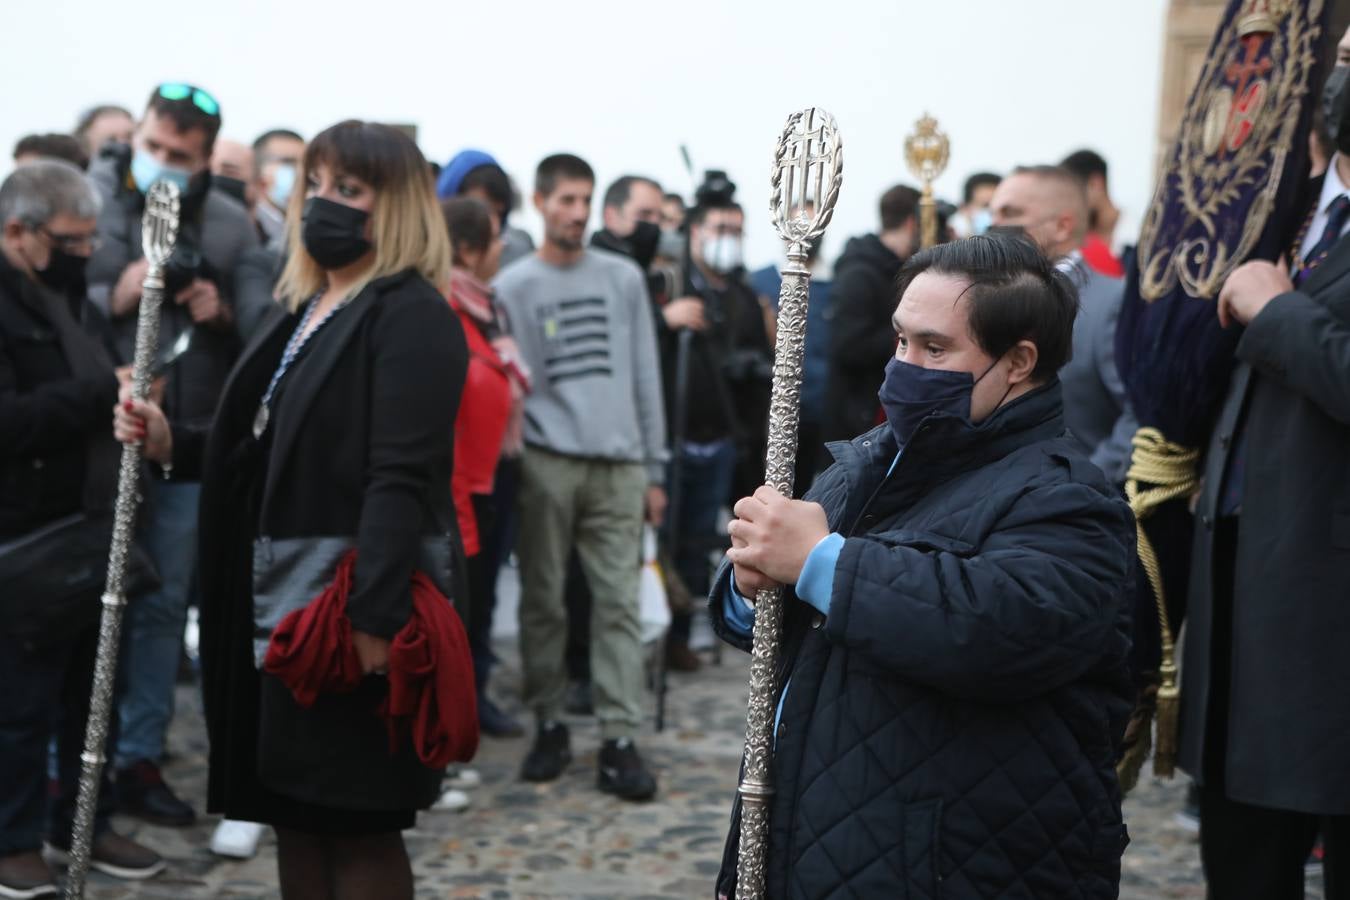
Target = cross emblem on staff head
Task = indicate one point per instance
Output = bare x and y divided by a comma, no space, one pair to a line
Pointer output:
806,172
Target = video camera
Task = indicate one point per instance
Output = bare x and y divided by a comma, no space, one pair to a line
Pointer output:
716,190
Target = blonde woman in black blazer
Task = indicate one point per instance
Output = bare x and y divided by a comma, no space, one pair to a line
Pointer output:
335,430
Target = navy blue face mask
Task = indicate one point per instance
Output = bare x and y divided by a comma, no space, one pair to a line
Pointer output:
909,394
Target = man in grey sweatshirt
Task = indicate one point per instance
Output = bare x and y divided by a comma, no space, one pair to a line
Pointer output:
594,462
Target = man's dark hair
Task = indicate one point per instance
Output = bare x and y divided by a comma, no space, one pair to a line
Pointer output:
1015,294
87,119
977,181
469,222
186,116
560,167
676,197
266,137
697,214
53,146
1084,164
618,193
898,205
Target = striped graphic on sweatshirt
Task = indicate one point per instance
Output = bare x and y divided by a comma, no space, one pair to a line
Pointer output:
576,339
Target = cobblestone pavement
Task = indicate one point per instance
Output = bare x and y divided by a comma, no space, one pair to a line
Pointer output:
566,840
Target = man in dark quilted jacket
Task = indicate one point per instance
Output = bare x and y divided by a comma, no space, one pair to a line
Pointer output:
952,674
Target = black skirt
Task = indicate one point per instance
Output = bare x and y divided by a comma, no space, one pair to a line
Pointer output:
327,770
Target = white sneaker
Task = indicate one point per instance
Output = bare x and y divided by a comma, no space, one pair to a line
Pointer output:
237,839
452,800
464,779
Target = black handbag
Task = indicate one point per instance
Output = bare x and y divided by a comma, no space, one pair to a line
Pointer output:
52,579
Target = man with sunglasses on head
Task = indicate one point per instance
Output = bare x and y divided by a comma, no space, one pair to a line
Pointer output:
173,142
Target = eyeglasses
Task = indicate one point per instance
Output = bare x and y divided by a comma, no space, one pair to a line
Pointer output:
68,243
200,98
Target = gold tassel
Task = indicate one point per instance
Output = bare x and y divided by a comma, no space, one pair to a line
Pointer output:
1169,709
1138,739
1171,469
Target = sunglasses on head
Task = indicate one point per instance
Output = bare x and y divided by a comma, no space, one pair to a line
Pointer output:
200,98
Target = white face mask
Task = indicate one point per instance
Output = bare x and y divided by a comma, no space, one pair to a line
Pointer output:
722,253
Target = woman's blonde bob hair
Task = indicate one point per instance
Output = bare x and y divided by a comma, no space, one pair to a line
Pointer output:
406,225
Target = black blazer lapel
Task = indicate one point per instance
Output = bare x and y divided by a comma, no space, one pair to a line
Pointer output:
304,384
273,320
1336,266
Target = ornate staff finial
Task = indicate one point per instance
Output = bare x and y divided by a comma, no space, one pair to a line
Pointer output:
926,152
808,165
159,232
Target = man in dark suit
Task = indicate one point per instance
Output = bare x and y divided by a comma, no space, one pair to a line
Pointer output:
1265,727
1049,204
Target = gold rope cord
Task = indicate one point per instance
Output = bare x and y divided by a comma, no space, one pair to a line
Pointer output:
1171,469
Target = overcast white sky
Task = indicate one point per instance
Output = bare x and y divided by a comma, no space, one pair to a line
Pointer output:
625,83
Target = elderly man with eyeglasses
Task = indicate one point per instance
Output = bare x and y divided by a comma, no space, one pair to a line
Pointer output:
57,383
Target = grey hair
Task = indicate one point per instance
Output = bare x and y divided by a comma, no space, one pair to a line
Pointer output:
38,191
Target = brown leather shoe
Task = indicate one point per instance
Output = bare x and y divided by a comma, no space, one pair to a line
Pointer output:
679,658
25,876
114,855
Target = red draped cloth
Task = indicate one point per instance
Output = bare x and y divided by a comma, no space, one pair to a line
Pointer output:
431,687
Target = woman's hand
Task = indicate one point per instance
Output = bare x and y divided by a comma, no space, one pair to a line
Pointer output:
142,422
372,651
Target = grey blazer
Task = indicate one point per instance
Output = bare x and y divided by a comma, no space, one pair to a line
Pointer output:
1096,409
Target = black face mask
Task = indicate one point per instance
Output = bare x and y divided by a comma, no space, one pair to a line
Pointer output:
334,233
232,186
640,246
643,241
1334,99
64,273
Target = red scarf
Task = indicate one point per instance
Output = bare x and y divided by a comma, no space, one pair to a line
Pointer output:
431,682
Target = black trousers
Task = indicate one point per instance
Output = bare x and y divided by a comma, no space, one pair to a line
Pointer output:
1253,852
44,692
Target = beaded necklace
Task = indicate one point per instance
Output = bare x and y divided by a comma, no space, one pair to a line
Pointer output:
300,338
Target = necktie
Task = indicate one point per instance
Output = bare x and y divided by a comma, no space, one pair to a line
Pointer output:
1337,215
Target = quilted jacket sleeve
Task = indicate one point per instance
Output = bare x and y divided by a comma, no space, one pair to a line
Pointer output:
1027,612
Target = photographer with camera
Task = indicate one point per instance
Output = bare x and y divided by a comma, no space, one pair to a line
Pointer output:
717,365
173,142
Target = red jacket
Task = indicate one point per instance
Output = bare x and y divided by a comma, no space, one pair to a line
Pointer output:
1097,254
431,682
484,411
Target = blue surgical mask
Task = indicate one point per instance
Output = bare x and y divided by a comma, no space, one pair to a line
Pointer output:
283,182
980,221
909,394
146,170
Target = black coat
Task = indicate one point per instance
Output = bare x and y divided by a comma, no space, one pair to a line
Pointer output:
1288,735
951,727
730,366
48,414
862,339
360,445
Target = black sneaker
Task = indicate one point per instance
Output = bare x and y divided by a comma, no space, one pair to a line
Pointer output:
623,773
550,754
141,792
114,855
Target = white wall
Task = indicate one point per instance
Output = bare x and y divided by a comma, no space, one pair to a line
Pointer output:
625,83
